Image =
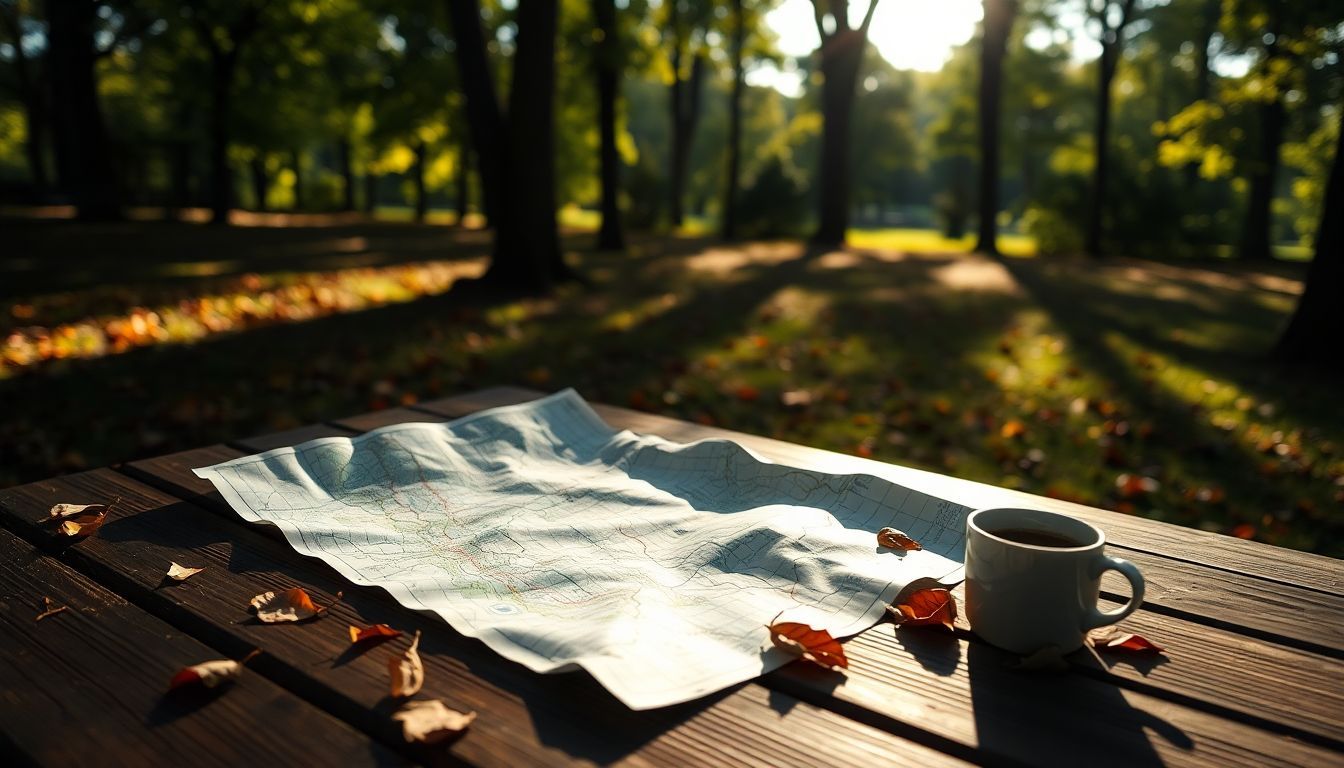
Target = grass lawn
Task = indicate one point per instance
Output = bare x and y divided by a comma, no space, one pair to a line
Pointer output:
1135,386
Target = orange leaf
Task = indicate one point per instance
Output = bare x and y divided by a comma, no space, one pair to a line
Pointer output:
210,673
927,606
1115,640
1013,428
375,632
50,609
748,394
290,605
79,519
815,645
408,673
894,539
429,722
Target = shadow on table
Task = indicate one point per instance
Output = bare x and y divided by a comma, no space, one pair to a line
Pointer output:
1060,719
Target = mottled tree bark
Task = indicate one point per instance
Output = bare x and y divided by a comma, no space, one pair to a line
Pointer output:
483,111
1257,223
1112,42
994,44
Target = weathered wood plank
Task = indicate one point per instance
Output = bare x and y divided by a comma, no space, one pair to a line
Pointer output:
1301,569
260,443
87,686
525,718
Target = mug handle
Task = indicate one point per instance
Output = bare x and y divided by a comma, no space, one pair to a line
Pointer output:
1099,618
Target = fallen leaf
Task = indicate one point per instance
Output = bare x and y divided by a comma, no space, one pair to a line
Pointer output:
1115,640
84,524
210,673
894,539
1013,428
67,511
181,573
50,609
430,722
375,632
1047,659
290,605
408,674
927,606
815,645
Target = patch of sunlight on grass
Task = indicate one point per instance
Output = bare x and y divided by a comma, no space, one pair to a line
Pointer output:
933,241
200,268
574,217
1293,252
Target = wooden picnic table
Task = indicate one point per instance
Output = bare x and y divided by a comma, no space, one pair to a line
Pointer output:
1253,672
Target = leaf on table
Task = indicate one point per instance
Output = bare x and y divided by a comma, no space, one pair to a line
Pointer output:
66,511
50,608
209,674
1047,659
180,572
935,606
430,722
80,519
408,673
1116,640
892,538
289,605
815,645
375,632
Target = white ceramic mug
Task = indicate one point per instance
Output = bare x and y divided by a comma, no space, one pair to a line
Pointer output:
1025,596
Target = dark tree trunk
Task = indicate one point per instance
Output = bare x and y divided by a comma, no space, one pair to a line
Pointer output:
296,160
841,56
1257,223
1313,333
221,98
370,191
462,182
83,155
607,55
1203,72
347,175
180,197
729,229
418,179
260,183
998,23
483,113
1112,42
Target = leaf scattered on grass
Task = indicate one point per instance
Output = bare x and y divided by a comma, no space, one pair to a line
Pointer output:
181,573
375,632
50,608
289,605
815,645
430,722
894,539
408,673
1116,640
209,674
935,606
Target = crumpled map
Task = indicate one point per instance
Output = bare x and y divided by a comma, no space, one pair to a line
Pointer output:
561,542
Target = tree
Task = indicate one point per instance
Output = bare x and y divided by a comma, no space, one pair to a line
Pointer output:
1264,169
15,17
686,26
83,153
840,55
607,60
1111,19
1317,325
998,25
738,41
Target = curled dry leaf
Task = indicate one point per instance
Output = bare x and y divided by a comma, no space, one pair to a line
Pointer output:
181,573
429,722
1115,640
815,645
66,511
1047,659
375,632
894,539
209,674
81,519
50,608
408,674
289,605
927,606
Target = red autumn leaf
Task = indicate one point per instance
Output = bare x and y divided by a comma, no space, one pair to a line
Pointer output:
289,605
815,645
934,606
1115,640
375,632
894,539
748,394
210,673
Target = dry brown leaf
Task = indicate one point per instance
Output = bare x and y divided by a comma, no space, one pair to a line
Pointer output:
1047,659
50,608
66,511
289,605
1116,640
895,539
375,632
210,673
927,606
408,674
181,573
815,645
81,519
430,722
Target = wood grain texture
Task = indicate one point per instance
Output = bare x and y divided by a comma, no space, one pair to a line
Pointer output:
1301,569
87,686
526,718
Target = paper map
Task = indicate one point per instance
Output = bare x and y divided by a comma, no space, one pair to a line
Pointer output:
561,542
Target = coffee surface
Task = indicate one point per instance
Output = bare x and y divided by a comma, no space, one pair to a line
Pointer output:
1036,538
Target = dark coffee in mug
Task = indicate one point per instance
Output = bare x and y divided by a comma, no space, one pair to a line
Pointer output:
1036,538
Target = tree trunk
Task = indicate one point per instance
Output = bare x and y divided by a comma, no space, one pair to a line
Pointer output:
841,56
1203,72
35,125
83,155
998,23
483,114
1257,223
1101,140
418,179
462,181
180,161
729,228
347,174
296,160
370,191
221,97
607,55
1313,333
260,183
